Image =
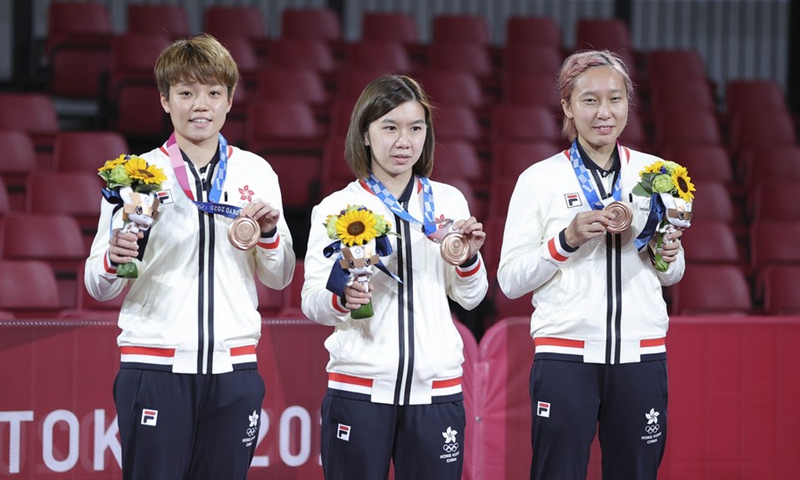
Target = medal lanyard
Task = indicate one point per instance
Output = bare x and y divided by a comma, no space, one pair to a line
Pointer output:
380,191
586,182
217,179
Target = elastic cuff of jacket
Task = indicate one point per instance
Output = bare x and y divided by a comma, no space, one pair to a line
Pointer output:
470,267
109,266
559,249
470,261
270,239
338,304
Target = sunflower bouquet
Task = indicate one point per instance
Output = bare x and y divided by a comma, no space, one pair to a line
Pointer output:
357,230
132,183
671,190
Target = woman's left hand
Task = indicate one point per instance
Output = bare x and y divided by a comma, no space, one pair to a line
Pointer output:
263,213
669,251
473,230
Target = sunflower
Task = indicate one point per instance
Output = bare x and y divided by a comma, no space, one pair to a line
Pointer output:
138,169
110,164
683,184
356,227
656,167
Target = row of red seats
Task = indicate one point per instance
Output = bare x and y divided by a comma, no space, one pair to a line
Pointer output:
43,281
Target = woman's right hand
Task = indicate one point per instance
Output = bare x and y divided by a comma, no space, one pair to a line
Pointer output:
586,226
123,247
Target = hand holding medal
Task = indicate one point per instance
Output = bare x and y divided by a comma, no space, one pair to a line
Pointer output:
254,218
459,241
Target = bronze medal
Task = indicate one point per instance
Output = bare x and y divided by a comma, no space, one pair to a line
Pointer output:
623,215
455,248
244,233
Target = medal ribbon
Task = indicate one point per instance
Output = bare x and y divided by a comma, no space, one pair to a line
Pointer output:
586,182
217,180
380,191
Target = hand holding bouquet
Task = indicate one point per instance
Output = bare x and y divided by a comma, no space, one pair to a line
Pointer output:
357,228
670,188
131,183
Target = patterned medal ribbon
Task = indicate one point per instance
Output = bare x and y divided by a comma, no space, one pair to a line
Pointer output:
217,180
380,191
586,182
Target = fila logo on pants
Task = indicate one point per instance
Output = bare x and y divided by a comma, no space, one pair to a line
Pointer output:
149,417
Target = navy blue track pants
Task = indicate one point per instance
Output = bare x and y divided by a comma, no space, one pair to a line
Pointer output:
196,427
625,404
360,439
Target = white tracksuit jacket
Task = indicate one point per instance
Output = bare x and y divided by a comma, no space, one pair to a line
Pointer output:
193,308
409,352
601,302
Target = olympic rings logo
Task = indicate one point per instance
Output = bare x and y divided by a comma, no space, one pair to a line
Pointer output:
651,429
450,447
251,431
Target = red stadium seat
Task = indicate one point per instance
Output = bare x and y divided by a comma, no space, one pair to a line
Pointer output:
335,172
375,55
772,243
457,122
235,21
446,87
712,290
19,161
694,95
291,84
500,191
753,95
714,203
769,163
458,159
478,205
161,18
460,29
635,134
87,150
533,31
532,89
685,126
305,53
532,59
603,34
133,102
77,48
510,159
350,82
390,27
246,56
761,128
287,135
711,242
5,207
33,114
311,23
704,162
28,289
524,123
52,238
681,65
774,200
76,194
462,57
781,287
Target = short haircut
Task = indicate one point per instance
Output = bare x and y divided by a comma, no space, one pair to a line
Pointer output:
380,97
197,59
575,65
